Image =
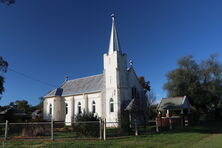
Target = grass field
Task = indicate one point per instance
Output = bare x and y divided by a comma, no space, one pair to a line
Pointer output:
205,136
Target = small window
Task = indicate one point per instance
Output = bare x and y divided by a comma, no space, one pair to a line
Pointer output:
133,93
66,108
79,108
50,109
111,103
93,107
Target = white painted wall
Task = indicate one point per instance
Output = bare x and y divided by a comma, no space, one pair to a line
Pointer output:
98,100
111,91
57,108
79,98
69,117
46,104
118,84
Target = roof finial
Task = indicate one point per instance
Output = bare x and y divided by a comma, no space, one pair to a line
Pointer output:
131,63
113,16
66,78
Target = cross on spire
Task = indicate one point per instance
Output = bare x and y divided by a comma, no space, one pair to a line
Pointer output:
114,42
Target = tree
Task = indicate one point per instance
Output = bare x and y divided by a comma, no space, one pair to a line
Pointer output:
152,112
3,69
8,2
211,79
144,84
151,98
22,105
142,102
40,105
86,129
201,83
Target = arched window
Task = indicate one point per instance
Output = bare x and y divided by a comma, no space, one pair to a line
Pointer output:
93,107
66,108
133,92
79,108
111,105
50,109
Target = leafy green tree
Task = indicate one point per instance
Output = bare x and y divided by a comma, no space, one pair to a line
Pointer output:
86,129
3,69
152,112
22,105
151,98
145,84
201,83
40,105
8,2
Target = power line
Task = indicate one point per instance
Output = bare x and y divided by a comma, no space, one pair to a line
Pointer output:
31,78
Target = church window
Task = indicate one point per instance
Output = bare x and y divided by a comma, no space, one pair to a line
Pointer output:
79,108
66,108
111,103
50,109
93,107
133,92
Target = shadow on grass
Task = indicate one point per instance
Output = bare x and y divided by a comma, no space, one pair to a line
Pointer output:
210,127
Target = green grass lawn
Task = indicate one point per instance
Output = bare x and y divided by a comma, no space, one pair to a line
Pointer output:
205,136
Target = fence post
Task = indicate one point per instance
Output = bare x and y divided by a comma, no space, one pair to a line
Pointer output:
170,121
182,121
6,129
157,127
136,129
104,129
52,134
100,129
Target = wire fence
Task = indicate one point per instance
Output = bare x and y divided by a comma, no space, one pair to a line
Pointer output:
28,130
77,130
2,131
51,130
169,123
80,130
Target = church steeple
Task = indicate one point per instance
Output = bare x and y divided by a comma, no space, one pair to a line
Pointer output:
114,42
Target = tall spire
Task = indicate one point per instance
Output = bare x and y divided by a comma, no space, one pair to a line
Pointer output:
114,42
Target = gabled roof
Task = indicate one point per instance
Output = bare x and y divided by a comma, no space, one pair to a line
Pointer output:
79,86
14,110
130,106
174,103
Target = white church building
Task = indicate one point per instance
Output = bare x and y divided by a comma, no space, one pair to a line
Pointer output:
106,94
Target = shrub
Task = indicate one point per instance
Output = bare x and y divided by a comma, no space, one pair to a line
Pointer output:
90,129
35,130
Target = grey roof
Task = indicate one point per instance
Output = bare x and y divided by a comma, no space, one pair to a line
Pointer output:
15,111
130,106
6,111
79,86
174,103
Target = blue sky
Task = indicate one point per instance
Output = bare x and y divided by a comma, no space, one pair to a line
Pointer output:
50,39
